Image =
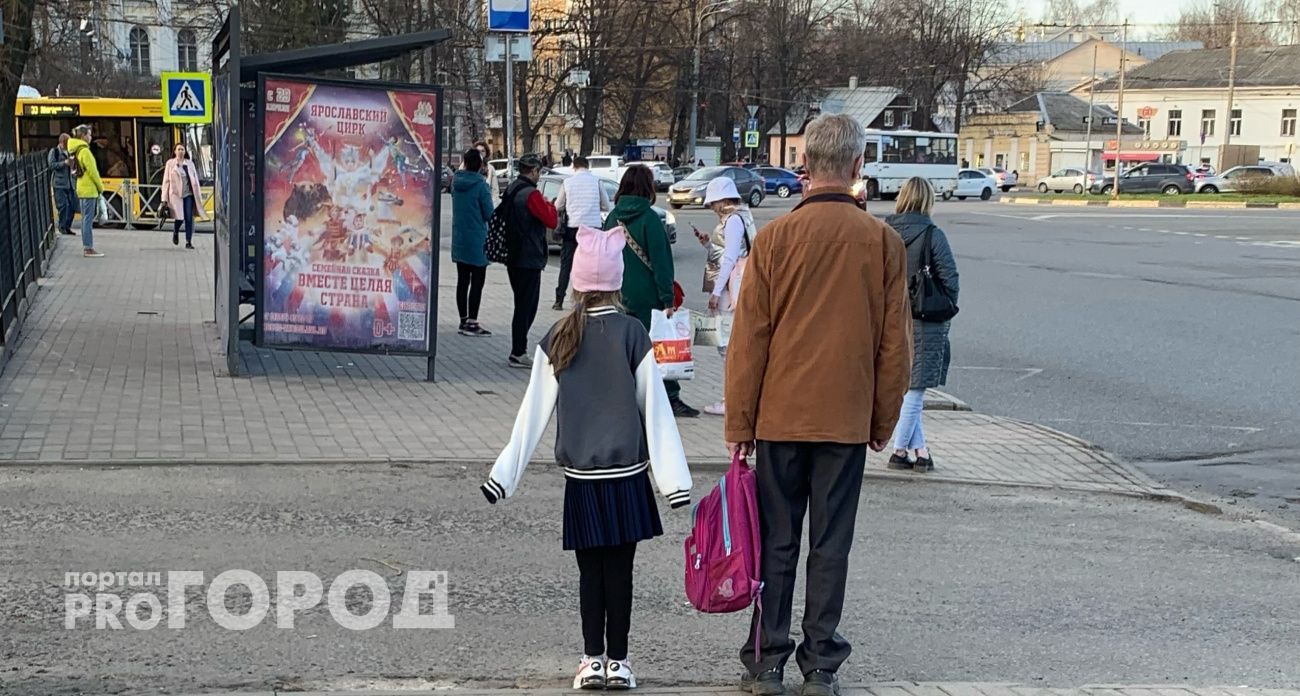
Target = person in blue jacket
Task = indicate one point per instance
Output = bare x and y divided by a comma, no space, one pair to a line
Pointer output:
471,208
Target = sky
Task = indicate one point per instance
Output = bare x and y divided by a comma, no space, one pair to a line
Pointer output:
1137,11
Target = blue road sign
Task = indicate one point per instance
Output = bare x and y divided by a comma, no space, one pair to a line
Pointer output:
508,15
752,125
186,97
735,134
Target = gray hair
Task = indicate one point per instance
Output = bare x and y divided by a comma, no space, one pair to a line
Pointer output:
81,131
833,143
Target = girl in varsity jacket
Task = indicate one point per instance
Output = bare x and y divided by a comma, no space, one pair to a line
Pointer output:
596,369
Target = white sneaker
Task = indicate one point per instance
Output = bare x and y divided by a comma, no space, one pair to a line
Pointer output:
619,676
718,409
591,673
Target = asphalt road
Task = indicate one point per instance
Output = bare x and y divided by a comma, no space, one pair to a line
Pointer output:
947,583
1171,337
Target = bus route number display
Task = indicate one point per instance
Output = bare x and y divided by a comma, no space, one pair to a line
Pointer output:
52,110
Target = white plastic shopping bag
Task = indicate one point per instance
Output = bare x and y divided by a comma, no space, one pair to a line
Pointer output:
671,337
713,329
102,213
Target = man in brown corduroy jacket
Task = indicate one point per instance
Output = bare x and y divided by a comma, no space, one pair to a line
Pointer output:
819,359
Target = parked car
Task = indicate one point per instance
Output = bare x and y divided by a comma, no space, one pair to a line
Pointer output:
1150,177
1069,179
663,173
1006,180
681,173
781,182
1234,178
690,190
549,185
975,183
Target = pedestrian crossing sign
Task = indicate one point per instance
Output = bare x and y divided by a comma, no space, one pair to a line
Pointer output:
187,97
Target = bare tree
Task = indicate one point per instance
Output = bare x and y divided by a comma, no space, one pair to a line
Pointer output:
278,25
1081,12
1211,23
14,53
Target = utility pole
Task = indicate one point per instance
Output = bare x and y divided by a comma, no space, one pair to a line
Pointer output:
1232,88
510,105
1092,92
695,85
1119,110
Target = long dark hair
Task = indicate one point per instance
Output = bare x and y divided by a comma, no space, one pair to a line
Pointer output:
567,335
637,181
473,160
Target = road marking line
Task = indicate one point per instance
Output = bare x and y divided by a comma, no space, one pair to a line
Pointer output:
1149,424
1182,234
1222,236
1244,239
1199,234
1144,229
1029,371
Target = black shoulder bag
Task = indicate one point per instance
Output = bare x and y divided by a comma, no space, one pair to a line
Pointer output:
930,300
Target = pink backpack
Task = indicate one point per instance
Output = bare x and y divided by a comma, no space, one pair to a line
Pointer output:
722,552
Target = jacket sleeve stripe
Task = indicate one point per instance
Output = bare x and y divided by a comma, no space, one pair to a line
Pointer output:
667,457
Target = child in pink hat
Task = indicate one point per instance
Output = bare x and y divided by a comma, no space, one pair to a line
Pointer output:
596,371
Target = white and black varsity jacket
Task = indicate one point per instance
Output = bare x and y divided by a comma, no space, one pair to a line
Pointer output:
614,419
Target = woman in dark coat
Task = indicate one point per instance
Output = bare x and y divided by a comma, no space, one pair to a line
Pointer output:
931,354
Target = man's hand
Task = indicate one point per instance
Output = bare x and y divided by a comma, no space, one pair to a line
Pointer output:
744,449
878,445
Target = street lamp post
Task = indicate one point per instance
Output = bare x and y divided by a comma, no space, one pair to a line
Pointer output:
715,9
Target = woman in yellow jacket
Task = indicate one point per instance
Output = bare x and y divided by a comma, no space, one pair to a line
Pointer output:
90,188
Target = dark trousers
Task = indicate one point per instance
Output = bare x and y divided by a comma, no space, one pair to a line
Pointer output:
605,599
527,286
187,218
65,200
672,386
469,290
825,479
568,247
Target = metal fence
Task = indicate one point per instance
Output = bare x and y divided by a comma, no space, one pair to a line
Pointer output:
26,234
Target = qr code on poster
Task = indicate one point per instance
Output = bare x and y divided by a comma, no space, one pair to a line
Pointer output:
410,326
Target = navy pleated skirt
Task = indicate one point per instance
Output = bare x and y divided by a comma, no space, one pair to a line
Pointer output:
609,512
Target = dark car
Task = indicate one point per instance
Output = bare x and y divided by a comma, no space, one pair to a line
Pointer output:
690,190
781,182
549,185
1152,177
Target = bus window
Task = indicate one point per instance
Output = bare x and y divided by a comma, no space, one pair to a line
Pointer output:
899,148
936,150
872,153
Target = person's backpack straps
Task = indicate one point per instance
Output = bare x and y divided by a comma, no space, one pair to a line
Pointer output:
74,163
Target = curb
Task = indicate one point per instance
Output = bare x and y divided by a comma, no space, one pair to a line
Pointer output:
1146,203
936,400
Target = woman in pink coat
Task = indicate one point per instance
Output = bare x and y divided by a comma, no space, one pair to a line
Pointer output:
181,190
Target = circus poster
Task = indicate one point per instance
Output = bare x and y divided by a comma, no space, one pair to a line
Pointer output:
349,191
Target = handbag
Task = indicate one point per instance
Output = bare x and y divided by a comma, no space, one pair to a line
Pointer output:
930,299
496,244
679,295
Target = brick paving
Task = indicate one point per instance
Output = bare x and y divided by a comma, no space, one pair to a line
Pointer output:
118,365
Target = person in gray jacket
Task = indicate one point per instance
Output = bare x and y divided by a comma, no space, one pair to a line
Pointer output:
931,353
65,192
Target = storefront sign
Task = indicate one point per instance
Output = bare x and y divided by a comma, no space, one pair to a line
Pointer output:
1147,112
349,182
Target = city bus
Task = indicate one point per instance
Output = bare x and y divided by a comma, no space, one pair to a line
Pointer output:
894,156
131,146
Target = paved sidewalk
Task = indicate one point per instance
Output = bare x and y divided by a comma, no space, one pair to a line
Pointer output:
881,689
118,365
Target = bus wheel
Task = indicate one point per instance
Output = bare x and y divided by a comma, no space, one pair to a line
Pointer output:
873,190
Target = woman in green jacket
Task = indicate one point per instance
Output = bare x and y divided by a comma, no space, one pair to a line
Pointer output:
647,260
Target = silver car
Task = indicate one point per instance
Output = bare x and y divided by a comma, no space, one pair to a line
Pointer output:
1233,179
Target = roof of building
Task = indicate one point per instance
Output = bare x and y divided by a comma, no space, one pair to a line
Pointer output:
862,103
1012,52
1274,66
1066,112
